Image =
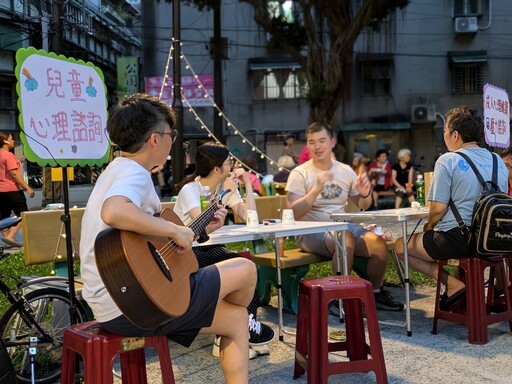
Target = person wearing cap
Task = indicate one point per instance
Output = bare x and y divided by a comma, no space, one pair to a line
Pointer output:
288,141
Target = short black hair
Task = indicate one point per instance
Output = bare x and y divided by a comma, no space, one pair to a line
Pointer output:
506,152
465,121
317,127
135,118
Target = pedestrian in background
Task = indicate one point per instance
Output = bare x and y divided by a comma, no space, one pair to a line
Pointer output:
379,172
12,185
506,155
289,139
402,175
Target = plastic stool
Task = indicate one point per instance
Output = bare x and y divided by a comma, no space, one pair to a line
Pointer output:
99,348
312,347
479,311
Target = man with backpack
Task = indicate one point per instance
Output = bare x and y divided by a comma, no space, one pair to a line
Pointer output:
455,187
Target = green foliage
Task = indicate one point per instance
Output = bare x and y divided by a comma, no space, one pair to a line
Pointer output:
293,32
13,266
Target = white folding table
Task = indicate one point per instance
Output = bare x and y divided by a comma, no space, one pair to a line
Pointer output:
237,233
402,216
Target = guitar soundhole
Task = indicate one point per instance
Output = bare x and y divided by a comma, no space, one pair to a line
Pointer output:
160,262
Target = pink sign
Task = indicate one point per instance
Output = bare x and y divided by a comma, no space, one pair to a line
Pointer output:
496,117
192,91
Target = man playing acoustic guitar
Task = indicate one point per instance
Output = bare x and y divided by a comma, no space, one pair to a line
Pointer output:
121,209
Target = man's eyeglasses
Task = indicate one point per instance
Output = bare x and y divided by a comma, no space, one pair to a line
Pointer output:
173,134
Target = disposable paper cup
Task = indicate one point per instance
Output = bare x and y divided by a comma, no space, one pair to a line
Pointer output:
288,218
252,219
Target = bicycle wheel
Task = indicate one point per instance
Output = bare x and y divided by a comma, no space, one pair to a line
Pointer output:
50,309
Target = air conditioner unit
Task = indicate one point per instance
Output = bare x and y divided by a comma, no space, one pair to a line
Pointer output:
423,113
466,25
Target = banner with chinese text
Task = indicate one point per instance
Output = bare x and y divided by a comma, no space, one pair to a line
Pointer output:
194,90
496,117
63,109
127,76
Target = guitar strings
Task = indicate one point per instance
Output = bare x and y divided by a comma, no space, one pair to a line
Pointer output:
171,246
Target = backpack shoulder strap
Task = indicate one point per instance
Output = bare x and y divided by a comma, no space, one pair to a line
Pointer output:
473,167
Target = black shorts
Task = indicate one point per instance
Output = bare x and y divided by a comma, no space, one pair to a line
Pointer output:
14,201
205,287
402,194
451,244
379,188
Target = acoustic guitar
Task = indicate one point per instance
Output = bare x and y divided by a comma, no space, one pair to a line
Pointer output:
146,276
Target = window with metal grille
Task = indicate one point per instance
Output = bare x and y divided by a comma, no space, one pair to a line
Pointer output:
375,77
467,8
278,84
6,95
467,78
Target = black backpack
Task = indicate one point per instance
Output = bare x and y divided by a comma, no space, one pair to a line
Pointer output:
491,229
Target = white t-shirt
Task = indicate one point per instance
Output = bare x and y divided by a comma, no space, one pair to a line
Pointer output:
189,198
334,196
122,177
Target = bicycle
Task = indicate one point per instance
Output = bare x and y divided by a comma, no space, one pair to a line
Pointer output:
32,328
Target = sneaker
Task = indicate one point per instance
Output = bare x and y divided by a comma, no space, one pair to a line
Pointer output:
260,334
216,349
384,300
261,349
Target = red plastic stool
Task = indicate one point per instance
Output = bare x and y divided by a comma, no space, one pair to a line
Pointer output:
480,311
99,348
312,347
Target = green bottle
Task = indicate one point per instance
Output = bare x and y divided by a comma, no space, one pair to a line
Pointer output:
205,198
420,190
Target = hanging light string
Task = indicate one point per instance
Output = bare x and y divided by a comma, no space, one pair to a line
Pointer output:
166,73
229,124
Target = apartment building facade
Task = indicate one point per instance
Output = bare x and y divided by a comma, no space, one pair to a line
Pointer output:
407,72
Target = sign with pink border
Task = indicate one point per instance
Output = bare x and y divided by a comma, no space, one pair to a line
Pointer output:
496,117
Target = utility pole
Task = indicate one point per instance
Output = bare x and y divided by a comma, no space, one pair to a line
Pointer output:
178,161
217,73
52,191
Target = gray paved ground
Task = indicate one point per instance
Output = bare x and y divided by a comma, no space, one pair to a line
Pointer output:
422,358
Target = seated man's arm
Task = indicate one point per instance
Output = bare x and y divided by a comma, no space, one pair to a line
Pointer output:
120,212
364,187
302,204
435,214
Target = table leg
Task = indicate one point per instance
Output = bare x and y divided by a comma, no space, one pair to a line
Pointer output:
406,280
343,247
279,291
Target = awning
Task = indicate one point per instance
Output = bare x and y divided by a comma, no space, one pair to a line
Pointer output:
264,63
375,126
467,57
374,57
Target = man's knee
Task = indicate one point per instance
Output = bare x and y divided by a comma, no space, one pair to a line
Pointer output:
374,244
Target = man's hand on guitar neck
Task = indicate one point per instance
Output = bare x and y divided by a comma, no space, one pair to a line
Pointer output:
182,236
218,219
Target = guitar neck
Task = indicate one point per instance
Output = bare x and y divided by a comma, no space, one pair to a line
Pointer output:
200,223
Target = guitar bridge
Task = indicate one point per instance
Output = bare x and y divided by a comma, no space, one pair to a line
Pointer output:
160,262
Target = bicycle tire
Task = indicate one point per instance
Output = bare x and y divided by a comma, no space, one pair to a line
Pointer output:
51,309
